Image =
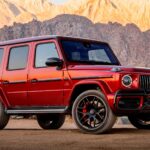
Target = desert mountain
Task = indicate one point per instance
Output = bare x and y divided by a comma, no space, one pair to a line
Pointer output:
98,11
130,44
124,24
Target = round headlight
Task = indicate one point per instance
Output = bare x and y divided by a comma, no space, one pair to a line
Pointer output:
127,80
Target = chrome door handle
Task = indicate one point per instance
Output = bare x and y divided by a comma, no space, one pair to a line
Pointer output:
6,82
34,80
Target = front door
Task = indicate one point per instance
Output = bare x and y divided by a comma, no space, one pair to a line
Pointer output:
14,78
46,83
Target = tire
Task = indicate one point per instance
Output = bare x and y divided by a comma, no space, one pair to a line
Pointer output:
4,118
92,114
140,121
51,121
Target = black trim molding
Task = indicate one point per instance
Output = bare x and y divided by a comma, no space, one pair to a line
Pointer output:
45,80
91,77
49,80
14,82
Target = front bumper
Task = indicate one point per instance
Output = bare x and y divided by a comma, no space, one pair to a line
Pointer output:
132,101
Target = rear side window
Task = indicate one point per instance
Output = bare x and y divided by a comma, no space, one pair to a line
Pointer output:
1,55
43,52
18,58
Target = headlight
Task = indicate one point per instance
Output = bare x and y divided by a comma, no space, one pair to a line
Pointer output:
126,80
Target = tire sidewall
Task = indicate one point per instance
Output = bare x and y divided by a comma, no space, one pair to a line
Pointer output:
57,120
137,122
4,118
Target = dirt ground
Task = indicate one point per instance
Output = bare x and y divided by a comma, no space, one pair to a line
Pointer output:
25,134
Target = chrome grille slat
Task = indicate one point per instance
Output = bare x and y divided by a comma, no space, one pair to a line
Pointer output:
148,83
145,82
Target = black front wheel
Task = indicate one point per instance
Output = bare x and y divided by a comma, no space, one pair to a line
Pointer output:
51,121
140,121
91,112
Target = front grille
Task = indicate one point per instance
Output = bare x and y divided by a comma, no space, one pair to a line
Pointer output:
145,82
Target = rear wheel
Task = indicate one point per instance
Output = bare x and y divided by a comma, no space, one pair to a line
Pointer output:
140,121
51,121
91,112
4,118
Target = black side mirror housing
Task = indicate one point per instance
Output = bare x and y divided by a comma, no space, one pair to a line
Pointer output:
54,62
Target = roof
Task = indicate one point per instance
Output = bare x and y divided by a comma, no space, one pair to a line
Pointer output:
28,39
37,38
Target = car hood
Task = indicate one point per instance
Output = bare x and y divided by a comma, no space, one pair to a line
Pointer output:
109,68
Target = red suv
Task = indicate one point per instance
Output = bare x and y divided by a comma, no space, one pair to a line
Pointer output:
51,76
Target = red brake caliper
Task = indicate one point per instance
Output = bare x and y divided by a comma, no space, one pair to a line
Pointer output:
84,110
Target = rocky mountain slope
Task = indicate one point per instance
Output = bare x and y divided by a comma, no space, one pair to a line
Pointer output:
98,11
124,24
128,42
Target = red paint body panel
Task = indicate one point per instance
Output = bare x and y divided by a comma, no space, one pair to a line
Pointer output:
55,86
15,92
44,93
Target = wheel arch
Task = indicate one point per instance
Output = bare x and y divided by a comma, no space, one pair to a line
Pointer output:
87,85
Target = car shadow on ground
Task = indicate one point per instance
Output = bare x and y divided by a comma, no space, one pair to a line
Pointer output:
113,131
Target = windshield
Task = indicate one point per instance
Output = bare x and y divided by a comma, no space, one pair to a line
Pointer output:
88,52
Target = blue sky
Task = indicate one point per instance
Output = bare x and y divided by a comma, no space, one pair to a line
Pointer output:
58,1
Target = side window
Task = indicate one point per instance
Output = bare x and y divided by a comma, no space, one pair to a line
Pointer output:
43,52
1,54
18,58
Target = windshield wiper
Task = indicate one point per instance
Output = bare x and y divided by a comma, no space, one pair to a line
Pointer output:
94,62
100,63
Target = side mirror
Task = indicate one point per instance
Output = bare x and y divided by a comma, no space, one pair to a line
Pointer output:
54,62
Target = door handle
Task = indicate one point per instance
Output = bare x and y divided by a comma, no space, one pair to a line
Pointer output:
34,80
6,82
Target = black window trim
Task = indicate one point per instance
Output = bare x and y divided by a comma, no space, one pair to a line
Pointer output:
36,45
87,40
26,45
2,48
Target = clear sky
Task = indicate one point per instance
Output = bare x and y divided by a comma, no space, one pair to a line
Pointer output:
58,1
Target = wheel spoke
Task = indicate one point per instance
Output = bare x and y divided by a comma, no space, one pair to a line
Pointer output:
85,121
85,113
84,101
101,106
93,100
99,116
98,121
95,121
91,112
101,111
97,104
87,100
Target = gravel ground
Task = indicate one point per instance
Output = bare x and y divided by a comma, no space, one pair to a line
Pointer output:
25,134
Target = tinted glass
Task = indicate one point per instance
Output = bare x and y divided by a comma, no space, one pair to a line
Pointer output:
18,58
88,52
43,52
1,54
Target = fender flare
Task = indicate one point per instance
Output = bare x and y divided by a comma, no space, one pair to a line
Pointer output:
101,84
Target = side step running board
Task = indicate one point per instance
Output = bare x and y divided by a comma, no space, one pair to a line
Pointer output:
36,111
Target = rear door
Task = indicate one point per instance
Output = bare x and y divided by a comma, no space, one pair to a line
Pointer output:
14,78
1,62
46,83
